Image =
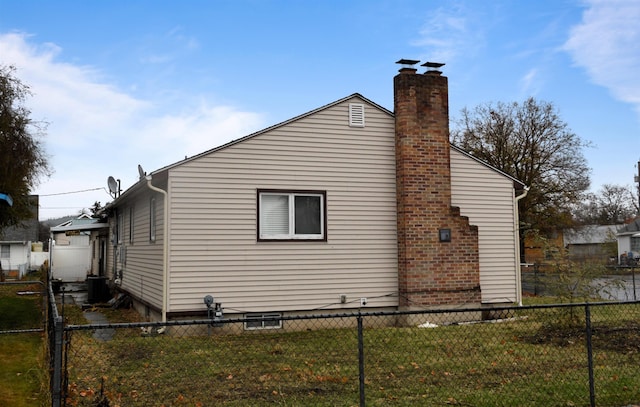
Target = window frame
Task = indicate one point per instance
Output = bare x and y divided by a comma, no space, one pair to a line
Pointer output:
291,236
152,220
131,216
5,251
119,227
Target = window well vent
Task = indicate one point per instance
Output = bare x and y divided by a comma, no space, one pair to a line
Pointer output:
356,115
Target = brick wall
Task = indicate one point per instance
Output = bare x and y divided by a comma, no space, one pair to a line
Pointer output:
430,271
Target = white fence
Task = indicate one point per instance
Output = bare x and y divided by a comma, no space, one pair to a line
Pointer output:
70,263
38,259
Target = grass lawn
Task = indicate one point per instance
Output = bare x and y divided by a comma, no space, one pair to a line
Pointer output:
22,373
532,358
22,364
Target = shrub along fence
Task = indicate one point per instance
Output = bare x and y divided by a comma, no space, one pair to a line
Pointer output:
573,354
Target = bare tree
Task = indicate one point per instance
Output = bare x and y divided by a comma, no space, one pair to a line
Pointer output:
612,204
530,142
22,160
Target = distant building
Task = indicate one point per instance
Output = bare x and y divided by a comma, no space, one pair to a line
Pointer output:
629,243
596,242
16,243
78,248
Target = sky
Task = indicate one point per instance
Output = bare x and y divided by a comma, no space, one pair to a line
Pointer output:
148,82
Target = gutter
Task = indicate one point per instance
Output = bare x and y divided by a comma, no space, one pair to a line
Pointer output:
517,233
165,244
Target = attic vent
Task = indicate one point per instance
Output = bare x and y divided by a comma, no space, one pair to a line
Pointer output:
356,115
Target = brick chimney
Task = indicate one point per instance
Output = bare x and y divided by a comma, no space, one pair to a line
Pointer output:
437,248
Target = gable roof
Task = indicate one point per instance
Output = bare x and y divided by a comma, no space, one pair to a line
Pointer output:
166,168
630,228
275,126
517,184
28,229
590,234
82,222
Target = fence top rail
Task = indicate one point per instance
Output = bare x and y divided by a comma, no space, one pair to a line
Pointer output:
338,315
22,331
53,306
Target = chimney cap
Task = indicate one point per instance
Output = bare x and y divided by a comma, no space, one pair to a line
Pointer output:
435,65
407,61
433,68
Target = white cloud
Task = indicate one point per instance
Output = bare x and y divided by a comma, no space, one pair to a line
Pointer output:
529,82
448,32
607,44
97,130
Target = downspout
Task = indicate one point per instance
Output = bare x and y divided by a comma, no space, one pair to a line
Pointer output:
517,233
165,244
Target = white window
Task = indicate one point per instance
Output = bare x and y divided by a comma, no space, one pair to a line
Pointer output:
152,220
263,321
291,215
5,251
120,228
131,224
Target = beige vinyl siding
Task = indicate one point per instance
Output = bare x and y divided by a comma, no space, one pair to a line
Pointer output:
213,235
487,198
142,271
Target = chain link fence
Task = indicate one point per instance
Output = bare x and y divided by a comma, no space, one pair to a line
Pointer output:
552,355
21,306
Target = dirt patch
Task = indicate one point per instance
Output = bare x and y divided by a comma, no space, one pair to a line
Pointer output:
623,339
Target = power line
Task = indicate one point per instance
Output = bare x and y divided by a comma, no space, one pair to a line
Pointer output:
76,192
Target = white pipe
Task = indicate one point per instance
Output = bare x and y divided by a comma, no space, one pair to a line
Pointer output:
517,235
165,246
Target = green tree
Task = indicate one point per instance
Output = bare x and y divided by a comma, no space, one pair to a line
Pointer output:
530,142
22,160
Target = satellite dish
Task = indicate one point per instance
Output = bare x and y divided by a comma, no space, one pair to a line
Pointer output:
113,186
141,172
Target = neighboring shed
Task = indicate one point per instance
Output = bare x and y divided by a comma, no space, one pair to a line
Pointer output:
73,251
592,241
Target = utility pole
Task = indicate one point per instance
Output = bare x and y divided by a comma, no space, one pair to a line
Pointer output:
637,179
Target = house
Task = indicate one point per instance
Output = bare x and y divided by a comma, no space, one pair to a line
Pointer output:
78,249
346,206
16,243
628,238
591,242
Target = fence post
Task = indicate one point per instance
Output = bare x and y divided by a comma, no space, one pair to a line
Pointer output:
361,359
633,279
592,391
56,381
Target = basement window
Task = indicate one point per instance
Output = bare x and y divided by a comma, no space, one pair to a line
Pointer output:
263,321
356,115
